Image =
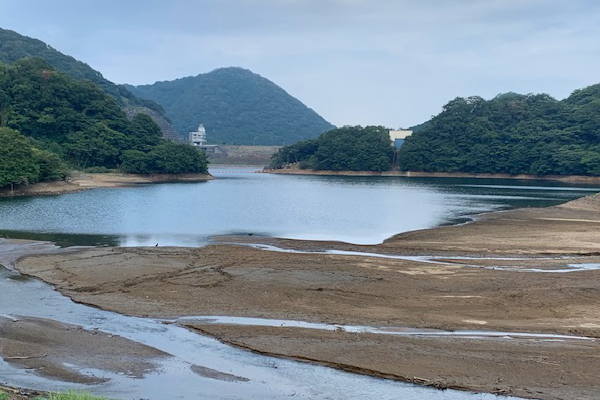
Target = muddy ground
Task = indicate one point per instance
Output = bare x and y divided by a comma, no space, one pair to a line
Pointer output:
342,289
58,351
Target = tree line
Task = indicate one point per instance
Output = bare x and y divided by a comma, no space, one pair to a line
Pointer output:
351,148
511,133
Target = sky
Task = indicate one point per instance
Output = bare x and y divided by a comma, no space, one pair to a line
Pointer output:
367,62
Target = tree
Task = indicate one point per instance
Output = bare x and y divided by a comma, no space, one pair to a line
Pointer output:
348,148
22,163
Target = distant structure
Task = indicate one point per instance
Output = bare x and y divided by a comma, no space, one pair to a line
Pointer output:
198,138
397,137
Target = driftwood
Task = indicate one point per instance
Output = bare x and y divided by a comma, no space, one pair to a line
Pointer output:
24,357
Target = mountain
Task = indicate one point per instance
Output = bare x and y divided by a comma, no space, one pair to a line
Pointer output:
14,46
511,133
236,106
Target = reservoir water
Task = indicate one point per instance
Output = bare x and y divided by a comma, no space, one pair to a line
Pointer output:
362,210
359,210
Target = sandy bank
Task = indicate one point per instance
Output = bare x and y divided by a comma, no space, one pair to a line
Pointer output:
84,181
56,350
592,180
522,368
351,289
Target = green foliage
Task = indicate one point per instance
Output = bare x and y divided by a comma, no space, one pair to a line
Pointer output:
70,396
512,133
170,158
14,47
23,163
236,106
75,121
343,149
3,396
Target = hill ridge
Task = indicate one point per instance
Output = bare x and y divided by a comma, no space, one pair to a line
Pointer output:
237,106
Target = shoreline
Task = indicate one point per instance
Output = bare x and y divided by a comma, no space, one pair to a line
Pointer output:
81,181
592,180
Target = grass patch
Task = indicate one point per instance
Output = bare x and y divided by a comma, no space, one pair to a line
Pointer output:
3,396
70,396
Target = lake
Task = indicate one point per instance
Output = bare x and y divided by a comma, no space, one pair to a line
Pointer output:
363,210
354,209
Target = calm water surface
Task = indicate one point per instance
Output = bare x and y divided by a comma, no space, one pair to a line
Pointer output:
360,210
353,209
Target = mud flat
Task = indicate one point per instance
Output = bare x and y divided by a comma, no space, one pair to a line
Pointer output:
51,349
84,181
495,274
592,180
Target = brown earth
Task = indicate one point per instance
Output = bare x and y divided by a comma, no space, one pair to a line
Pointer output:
19,394
592,180
46,347
521,367
343,289
84,181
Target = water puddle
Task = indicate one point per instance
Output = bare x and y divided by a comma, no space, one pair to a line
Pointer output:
397,331
575,267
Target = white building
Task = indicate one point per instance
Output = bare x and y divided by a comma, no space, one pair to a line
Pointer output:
198,138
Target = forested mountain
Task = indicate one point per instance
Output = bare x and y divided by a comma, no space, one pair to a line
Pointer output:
14,46
75,121
511,133
351,148
236,106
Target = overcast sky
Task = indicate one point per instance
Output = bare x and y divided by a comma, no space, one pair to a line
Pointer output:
386,62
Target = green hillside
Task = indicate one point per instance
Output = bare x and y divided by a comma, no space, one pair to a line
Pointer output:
351,148
14,46
511,133
236,106
78,123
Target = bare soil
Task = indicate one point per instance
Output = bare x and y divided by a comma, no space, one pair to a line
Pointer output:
57,350
524,368
592,180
